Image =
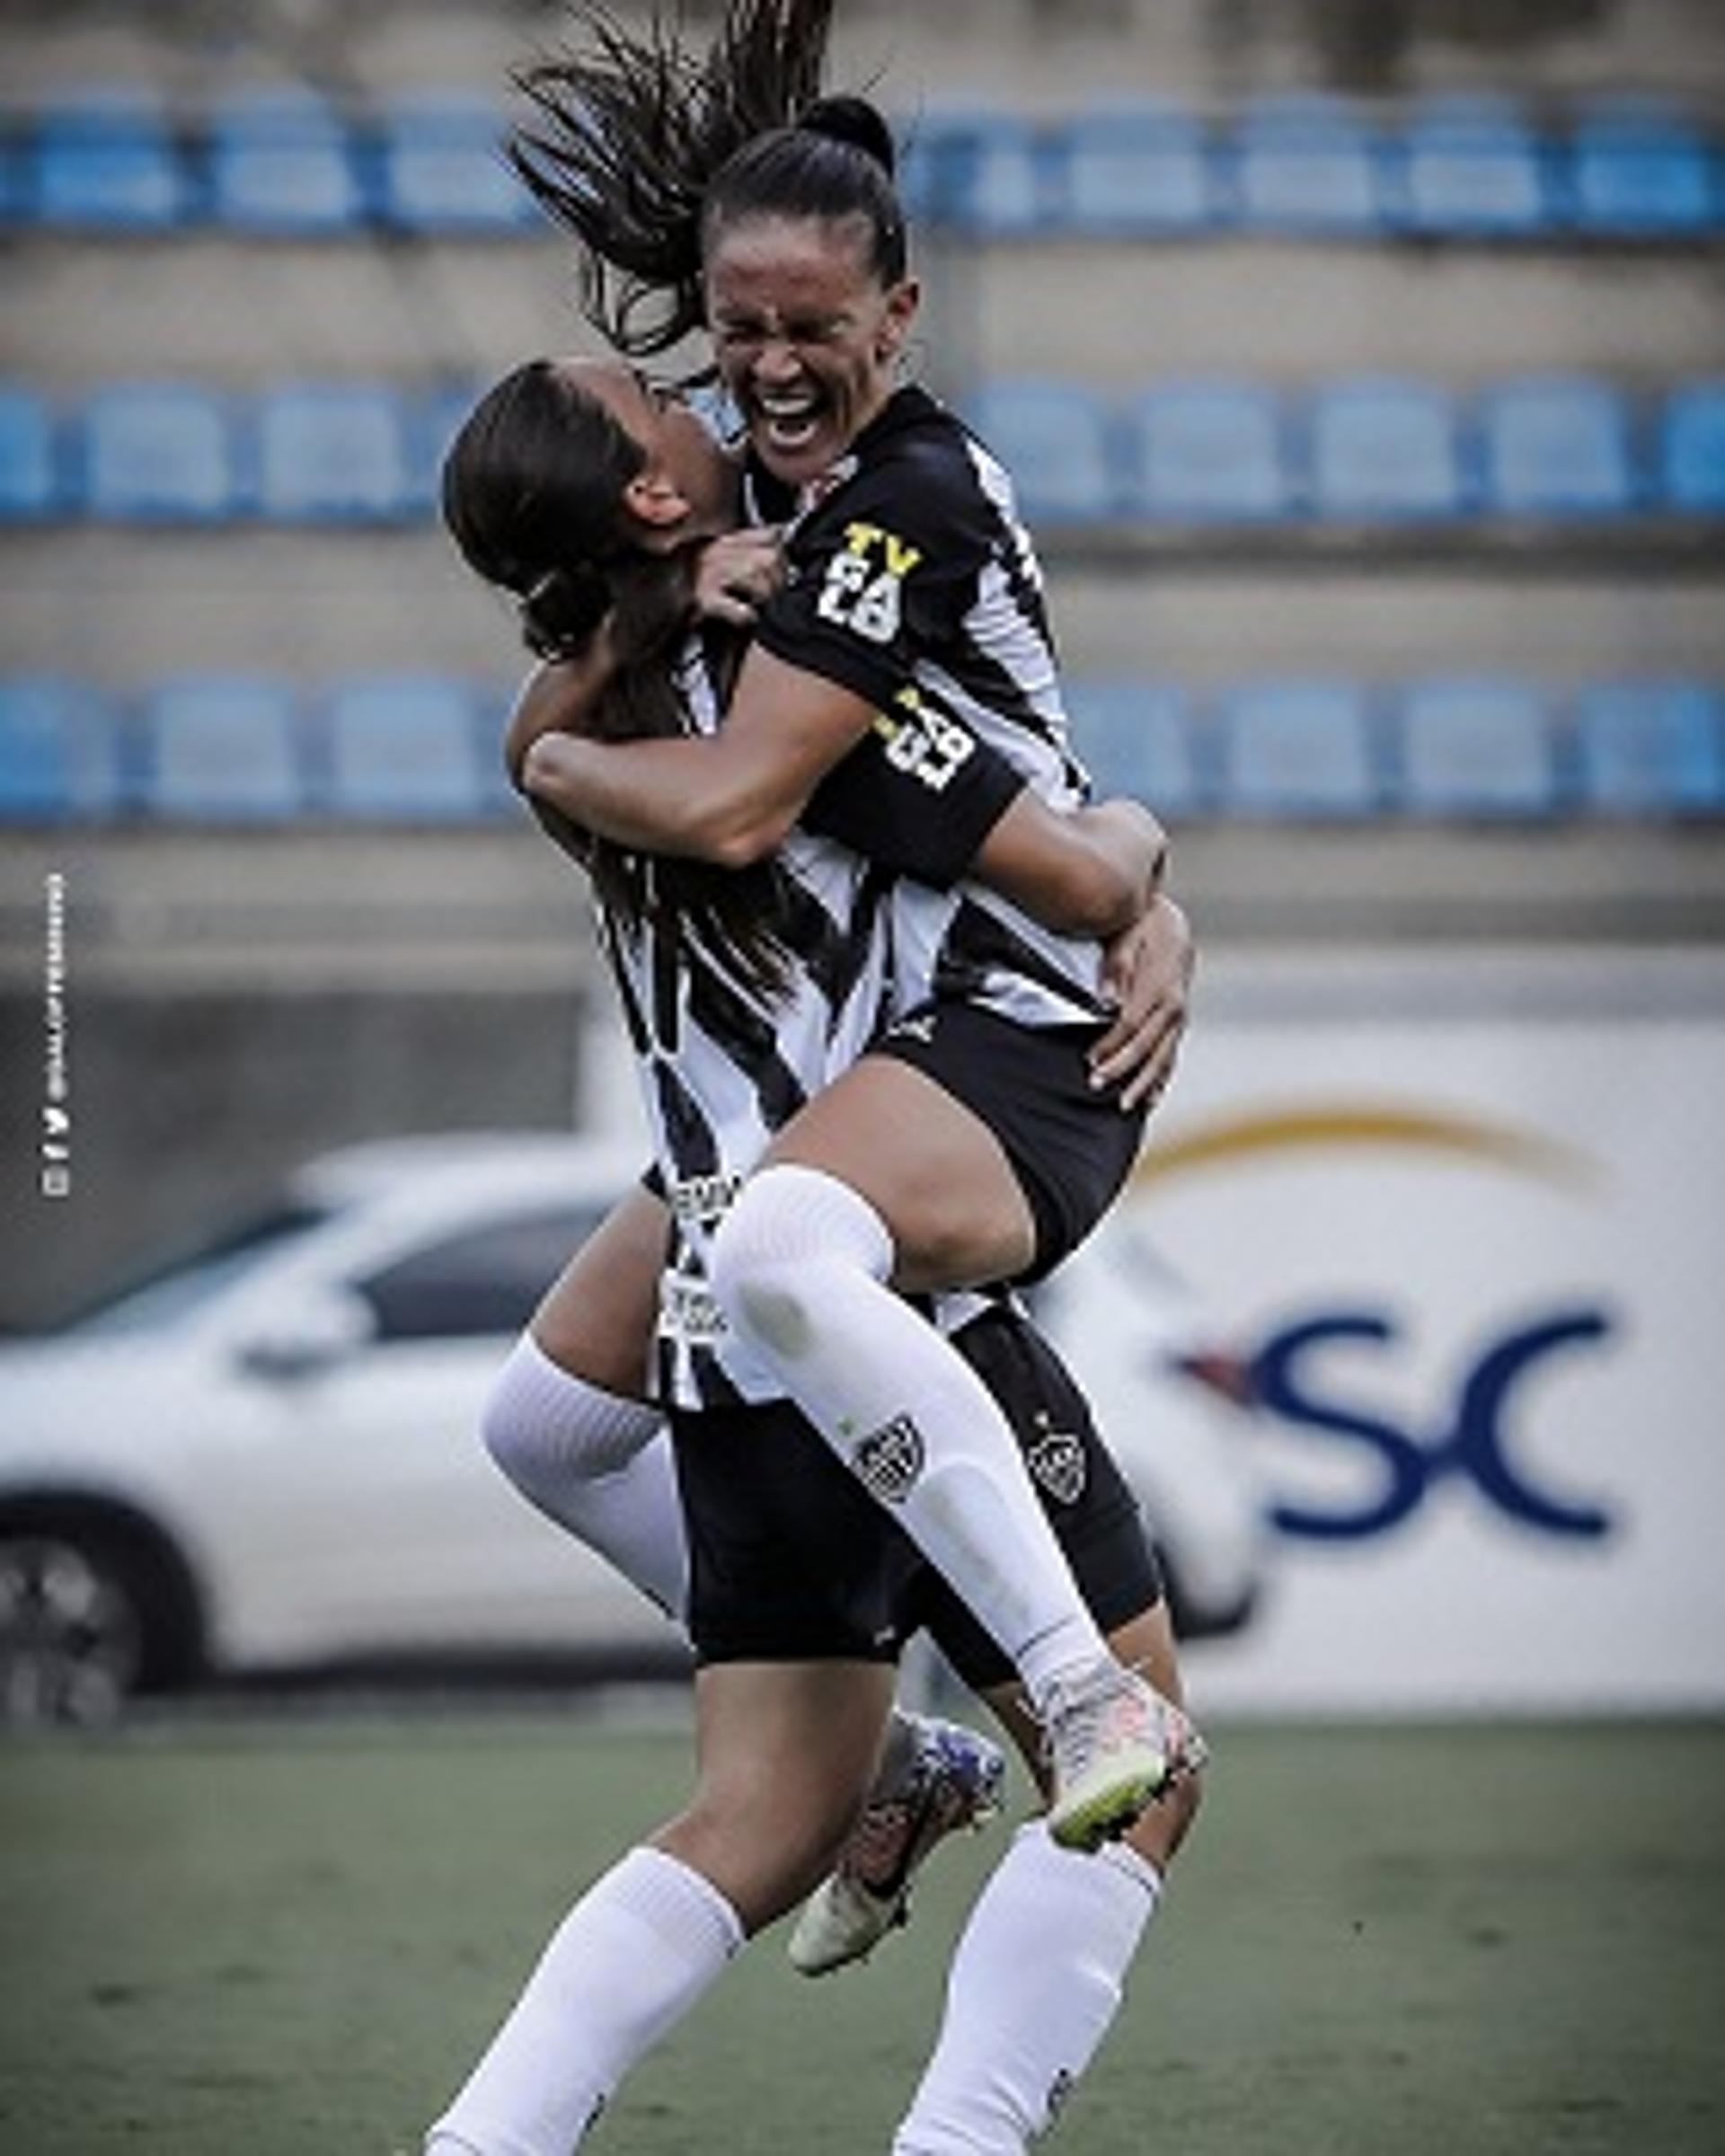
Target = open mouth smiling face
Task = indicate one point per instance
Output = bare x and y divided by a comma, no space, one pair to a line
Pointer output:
805,335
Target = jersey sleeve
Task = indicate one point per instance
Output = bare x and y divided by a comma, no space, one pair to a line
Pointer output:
918,794
880,573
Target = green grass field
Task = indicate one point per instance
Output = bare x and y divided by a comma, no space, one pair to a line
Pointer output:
248,1940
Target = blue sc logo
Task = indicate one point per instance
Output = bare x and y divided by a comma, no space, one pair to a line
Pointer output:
1475,1440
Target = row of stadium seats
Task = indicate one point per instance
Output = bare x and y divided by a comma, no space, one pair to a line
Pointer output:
1374,450
219,748
291,162
177,453
395,748
1475,168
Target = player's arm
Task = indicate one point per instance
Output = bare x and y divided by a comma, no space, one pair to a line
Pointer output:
732,798
559,696
833,649
729,797
1084,872
729,577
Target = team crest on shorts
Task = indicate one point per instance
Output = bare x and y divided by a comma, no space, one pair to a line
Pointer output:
891,1458
1056,1459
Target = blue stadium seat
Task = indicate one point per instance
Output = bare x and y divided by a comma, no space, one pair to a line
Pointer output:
1640,169
1556,446
32,483
1652,748
335,453
59,751
1138,170
433,420
14,199
1691,471
108,161
492,702
1052,436
160,451
1299,749
1476,749
1210,452
932,146
406,748
1380,448
996,175
1306,165
1138,737
283,162
1474,167
441,167
223,749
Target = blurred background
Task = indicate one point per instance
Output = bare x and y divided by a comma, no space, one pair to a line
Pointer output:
1362,365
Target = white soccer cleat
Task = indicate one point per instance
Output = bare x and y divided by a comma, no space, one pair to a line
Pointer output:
945,1778
1114,1745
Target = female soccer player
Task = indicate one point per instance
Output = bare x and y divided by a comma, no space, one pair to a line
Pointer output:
969,1145
802,1592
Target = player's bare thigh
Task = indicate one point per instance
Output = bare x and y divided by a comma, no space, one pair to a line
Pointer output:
787,1751
596,1320
1147,1642
935,1172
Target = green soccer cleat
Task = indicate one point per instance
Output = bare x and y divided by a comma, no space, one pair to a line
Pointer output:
1114,1744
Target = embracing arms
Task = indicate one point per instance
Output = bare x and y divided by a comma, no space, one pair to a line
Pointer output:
732,796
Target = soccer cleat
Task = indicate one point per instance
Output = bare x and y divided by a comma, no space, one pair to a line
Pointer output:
945,1777
1114,1745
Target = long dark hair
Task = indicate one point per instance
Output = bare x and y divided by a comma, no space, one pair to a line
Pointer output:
644,150
532,495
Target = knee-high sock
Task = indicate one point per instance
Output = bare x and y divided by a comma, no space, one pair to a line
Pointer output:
628,1962
1035,1983
799,1269
595,1464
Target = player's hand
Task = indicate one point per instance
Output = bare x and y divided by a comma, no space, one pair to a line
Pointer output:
1147,969
736,573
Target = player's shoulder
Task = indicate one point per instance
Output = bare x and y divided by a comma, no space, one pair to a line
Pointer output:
917,460
917,431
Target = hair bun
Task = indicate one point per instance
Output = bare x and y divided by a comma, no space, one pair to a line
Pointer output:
854,120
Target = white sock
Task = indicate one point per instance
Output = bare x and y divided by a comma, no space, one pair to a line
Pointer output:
1035,1983
596,1463
799,1269
628,1961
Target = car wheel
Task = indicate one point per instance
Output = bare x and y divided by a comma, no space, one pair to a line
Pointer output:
73,1620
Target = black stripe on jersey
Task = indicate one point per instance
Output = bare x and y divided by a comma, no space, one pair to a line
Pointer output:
634,1018
834,954
710,1383
664,963
1027,593
986,674
688,1135
747,1039
978,943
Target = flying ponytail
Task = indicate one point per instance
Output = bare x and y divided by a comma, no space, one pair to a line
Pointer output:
642,149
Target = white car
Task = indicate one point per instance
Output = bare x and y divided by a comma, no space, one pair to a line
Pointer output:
266,1458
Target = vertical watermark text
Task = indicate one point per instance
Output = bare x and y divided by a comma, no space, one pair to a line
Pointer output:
54,1167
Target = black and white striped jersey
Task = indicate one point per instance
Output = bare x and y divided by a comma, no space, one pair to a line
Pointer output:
724,1062
911,581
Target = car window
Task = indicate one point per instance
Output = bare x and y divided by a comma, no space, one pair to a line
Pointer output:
485,1280
186,1283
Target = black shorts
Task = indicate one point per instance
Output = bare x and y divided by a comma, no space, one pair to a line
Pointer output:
792,1561
1071,1147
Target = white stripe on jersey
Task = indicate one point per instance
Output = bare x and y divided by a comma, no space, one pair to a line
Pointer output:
933,948
722,1065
